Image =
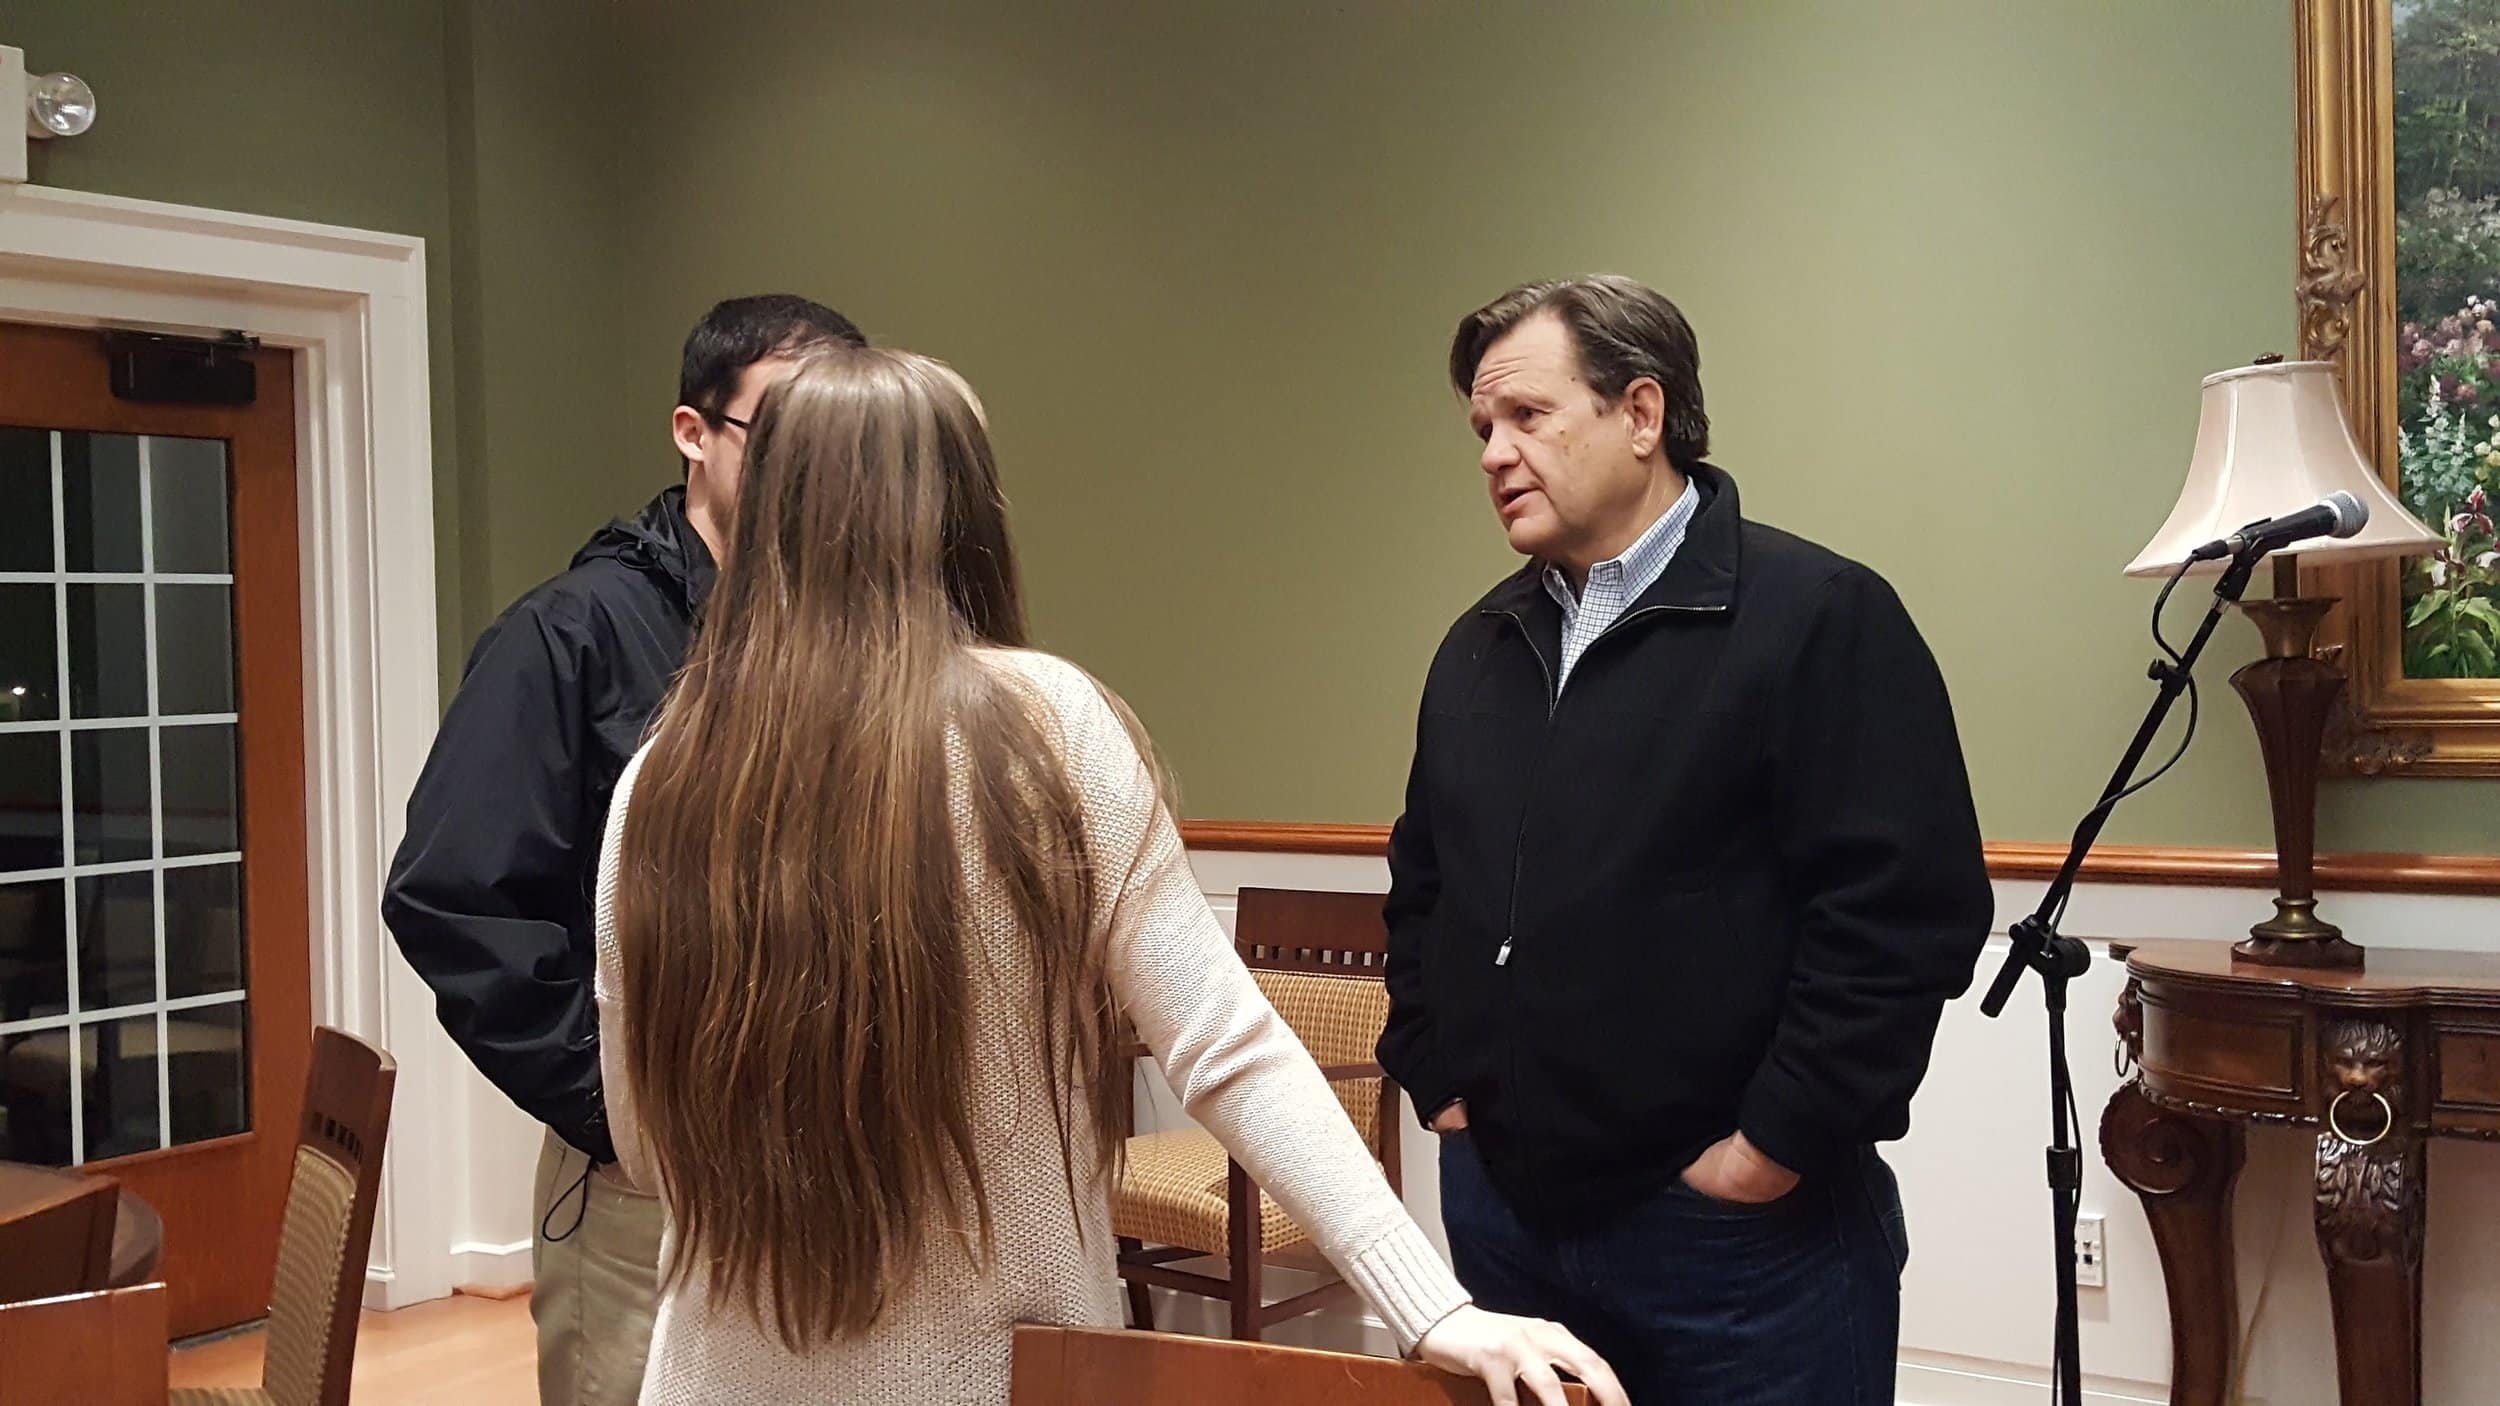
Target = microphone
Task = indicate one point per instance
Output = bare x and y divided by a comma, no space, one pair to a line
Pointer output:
2337,515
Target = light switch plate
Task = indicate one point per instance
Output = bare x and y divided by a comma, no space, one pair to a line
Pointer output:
12,115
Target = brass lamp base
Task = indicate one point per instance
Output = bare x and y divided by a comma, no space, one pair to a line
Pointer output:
2297,937
2290,693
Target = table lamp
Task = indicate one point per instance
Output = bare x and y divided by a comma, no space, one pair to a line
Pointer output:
2272,440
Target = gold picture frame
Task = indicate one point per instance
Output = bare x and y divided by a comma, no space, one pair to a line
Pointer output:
2394,723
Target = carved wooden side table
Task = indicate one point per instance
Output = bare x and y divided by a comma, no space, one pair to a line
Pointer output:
2376,1060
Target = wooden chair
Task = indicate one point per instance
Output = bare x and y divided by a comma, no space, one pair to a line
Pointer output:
1097,1367
328,1229
103,1349
61,1244
1321,959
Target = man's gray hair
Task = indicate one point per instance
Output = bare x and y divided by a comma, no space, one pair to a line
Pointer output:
1624,330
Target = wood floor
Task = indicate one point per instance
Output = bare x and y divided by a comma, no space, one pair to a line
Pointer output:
460,1350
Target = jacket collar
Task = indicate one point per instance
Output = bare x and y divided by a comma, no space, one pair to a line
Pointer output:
660,542
1702,575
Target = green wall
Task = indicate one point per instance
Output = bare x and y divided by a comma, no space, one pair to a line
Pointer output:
558,434
417,117
1956,267
305,109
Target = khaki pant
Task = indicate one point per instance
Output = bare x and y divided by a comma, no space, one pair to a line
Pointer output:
597,1257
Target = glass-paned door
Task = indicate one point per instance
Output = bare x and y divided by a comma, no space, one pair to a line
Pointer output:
155,1005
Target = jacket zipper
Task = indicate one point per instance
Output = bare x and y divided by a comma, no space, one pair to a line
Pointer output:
1553,703
1519,842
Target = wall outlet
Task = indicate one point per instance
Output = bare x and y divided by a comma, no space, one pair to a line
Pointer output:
2091,1254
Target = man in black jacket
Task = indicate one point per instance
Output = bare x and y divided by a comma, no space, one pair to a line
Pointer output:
491,895
1687,871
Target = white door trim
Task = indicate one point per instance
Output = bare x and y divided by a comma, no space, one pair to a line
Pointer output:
351,304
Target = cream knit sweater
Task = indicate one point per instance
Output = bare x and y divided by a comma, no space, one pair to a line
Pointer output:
1239,1071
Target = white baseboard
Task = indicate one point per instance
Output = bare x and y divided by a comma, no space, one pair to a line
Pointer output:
1939,1379
473,1266
491,1266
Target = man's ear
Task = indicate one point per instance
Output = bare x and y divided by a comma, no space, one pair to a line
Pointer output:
1644,404
687,426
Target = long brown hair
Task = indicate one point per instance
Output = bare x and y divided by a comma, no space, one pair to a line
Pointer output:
791,913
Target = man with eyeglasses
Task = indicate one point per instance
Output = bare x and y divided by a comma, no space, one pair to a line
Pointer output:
491,897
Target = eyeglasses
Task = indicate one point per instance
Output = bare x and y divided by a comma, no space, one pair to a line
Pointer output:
729,419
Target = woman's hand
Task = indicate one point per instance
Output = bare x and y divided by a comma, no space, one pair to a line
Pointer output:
1503,1352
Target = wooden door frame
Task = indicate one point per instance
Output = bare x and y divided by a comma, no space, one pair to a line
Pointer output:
351,305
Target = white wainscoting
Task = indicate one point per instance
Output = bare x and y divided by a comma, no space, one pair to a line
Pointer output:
1976,1303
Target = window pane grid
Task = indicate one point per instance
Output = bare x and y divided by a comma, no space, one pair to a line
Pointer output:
112,1111
69,815
133,721
115,578
120,866
156,797
176,1006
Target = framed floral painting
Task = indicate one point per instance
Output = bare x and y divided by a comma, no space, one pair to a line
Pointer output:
2398,105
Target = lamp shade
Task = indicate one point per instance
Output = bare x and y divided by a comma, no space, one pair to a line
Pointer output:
2272,440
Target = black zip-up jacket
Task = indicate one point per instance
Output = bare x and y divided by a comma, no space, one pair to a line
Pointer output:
492,894
1727,879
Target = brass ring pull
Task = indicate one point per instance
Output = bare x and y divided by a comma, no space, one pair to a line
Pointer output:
2123,1062
2335,1124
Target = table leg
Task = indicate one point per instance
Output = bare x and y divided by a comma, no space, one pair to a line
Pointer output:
2371,1198
2182,1168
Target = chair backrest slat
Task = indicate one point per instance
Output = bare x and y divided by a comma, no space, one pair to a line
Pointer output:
1311,930
1285,937
328,1232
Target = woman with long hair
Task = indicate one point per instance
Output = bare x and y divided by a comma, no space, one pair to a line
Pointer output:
880,903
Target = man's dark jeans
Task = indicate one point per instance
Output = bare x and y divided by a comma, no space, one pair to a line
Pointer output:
1699,1302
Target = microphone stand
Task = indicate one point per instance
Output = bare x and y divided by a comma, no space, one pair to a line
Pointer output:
2038,946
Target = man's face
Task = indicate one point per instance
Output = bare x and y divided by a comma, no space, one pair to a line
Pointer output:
1567,474
716,448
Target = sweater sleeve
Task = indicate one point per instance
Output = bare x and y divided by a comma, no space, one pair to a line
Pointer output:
624,1120
1239,1070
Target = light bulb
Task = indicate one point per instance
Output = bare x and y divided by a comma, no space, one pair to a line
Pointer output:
59,105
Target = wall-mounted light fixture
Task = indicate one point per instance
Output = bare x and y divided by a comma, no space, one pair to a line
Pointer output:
58,105
55,104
